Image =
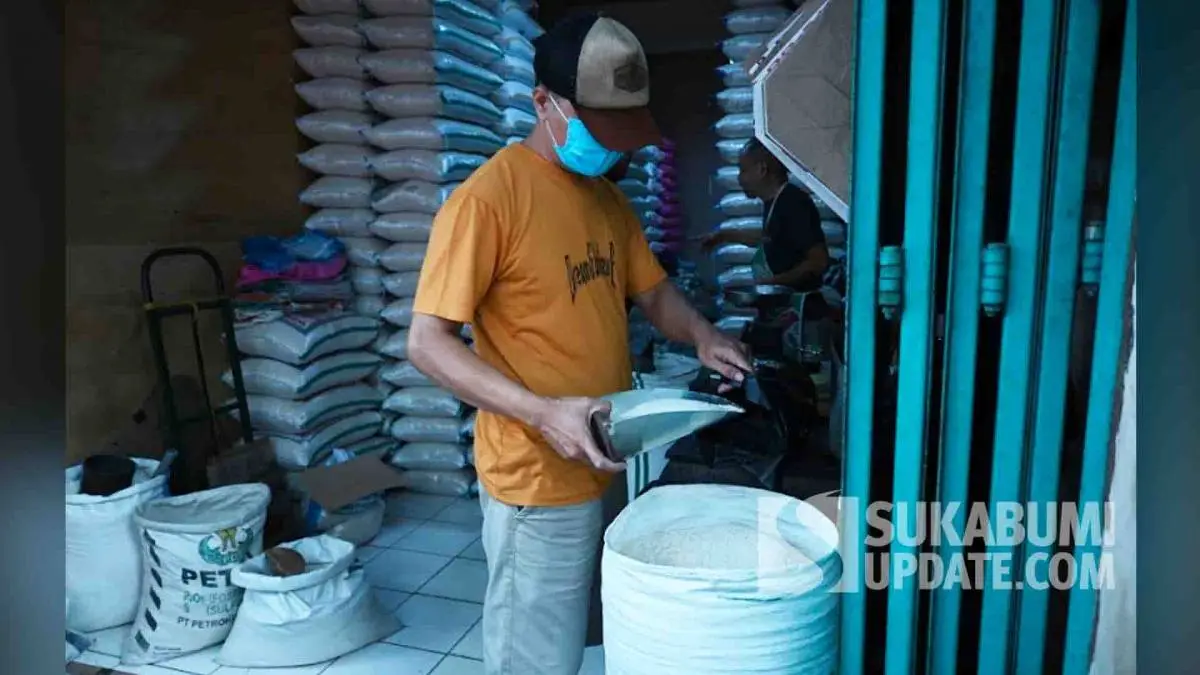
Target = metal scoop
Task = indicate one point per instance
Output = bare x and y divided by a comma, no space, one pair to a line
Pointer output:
643,419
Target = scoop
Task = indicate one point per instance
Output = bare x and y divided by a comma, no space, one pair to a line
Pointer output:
643,419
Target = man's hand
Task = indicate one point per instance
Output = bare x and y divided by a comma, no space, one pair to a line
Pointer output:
565,423
721,353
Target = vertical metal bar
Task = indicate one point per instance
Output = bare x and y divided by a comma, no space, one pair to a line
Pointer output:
1039,32
1062,276
863,250
962,321
1106,355
916,323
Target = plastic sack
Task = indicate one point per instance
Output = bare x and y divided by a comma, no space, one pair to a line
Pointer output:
516,69
191,545
395,346
739,47
403,227
512,16
468,431
402,284
376,446
765,19
335,126
336,159
835,232
331,62
298,452
737,204
426,165
739,126
736,100
430,457
443,483
398,313
404,32
424,402
404,374
690,571
414,66
650,153
740,275
329,30
357,524
327,611
469,15
266,377
733,75
515,44
341,222
727,178
730,149
733,326
338,192
730,255
427,133
363,251
427,430
296,418
298,339
403,257
414,196
423,100
103,557
514,94
334,93
646,203
514,122
370,306
318,7
747,223
367,280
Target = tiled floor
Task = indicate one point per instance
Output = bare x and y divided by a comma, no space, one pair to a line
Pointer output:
427,566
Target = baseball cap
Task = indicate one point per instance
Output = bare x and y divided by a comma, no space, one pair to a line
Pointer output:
598,65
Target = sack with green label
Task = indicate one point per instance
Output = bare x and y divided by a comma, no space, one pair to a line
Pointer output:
191,545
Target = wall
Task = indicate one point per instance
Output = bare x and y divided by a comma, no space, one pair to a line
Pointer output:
178,131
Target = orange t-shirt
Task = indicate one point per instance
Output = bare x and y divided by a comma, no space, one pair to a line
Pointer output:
540,262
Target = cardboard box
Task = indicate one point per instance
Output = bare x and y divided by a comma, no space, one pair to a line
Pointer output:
336,486
802,80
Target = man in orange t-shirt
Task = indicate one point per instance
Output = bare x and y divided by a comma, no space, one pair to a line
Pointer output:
539,254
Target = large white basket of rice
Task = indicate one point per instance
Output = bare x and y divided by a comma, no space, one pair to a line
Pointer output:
717,579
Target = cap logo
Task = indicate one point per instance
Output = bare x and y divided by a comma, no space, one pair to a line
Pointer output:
631,77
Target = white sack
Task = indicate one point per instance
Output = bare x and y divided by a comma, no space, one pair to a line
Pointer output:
514,94
738,126
424,100
745,223
436,34
328,611
515,44
469,15
426,165
424,402
331,62
299,339
192,544
416,66
367,280
427,430
739,47
415,196
329,30
296,418
334,93
741,275
404,374
736,100
738,204
370,306
338,192
515,122
403,227
336,159
318,7
402,284
727,178
734,254
730,149
512,16
427,133
733,75
516,69
403,257
341,222
336,126
398,313
766,19
444,483
430,457
395,346
363,251
733,326
104,556
296,453
267,377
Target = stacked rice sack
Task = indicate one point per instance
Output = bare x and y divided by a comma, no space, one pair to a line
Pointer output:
651,184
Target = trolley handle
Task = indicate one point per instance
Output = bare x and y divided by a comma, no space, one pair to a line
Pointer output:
179,252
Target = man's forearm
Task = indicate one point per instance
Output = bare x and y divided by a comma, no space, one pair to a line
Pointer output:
445,359
673,315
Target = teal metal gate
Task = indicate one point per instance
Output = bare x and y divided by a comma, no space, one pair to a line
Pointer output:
964,307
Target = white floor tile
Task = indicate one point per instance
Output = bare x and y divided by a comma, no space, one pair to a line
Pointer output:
393,531
439,537
474,551
390,601
406,571
203,662
464,512
454,665
384,659
471,646
434,624
318,669
593,661
365,554
98,660
414,506
460,580
110,640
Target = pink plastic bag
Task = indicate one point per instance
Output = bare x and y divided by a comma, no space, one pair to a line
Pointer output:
670,210
322,270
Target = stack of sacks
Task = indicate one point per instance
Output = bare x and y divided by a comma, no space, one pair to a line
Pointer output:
515,96
751,24
651,183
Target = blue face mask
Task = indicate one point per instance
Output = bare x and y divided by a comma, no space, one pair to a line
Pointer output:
580,152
